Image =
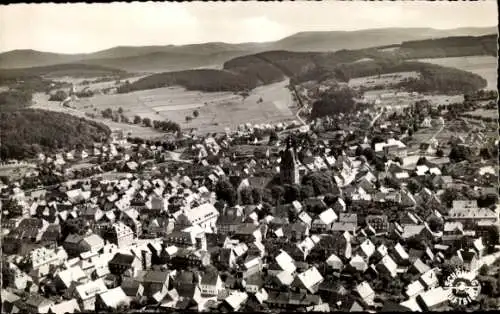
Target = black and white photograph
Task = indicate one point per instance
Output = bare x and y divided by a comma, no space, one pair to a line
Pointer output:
307,156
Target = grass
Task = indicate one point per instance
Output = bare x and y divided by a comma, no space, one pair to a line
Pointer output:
217,110
384,79
483,113
485,66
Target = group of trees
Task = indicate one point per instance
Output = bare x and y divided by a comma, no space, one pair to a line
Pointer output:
334,101
195,115
15,99
204,80
28,132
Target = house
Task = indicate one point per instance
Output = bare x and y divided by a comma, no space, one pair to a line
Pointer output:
68,306
153,282
387,266
359,263
419,267
413,289
429,279
254,283
120,234
228,224
339,206
285,262
211,283
400,254
308,280
86,294
377,224
432,299
122,263
204,216
111,299
37,304
324,221
366,293
234,301
248,233
74,275
335,263
366,249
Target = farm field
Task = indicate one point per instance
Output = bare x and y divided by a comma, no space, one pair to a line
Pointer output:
395,99
485,66
216,110
483,113
41,101
384,79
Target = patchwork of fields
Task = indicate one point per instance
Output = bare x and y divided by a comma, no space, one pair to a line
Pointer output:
485,66
218,110
384,79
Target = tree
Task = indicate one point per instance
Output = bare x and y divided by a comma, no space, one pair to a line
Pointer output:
459,153
225,191
483,271
277,193
188,119
147,122
332,102
137,119
292,193
246,196
273,137
435,224
439,152
196,113
120,110
60,95
124,119
306,191
257,195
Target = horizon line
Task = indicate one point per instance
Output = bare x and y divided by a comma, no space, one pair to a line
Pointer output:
239,43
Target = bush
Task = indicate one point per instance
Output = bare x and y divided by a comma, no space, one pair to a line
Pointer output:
60,95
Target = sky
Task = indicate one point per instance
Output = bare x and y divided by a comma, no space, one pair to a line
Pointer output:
84,28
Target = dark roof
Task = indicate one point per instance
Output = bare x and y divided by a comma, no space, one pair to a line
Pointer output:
210,278
390,306
122,259
155,276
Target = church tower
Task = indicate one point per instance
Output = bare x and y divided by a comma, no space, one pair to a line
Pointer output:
289,167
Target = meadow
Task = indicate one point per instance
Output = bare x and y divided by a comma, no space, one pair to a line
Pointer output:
217,110
485,66
384,79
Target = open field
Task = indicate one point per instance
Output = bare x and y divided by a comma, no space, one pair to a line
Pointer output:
384,79
217,110
41,101
395,99
483,113
485,66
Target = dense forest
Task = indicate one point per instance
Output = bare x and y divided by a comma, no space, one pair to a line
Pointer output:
248,72
433,78
14,99
28,132
205,80
449,47
69,69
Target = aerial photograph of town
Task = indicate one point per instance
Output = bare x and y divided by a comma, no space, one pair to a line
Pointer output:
263,157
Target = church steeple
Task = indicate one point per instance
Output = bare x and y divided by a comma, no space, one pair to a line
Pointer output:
289,167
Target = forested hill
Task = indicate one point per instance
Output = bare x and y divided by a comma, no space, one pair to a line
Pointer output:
28,132
449,47
246,73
